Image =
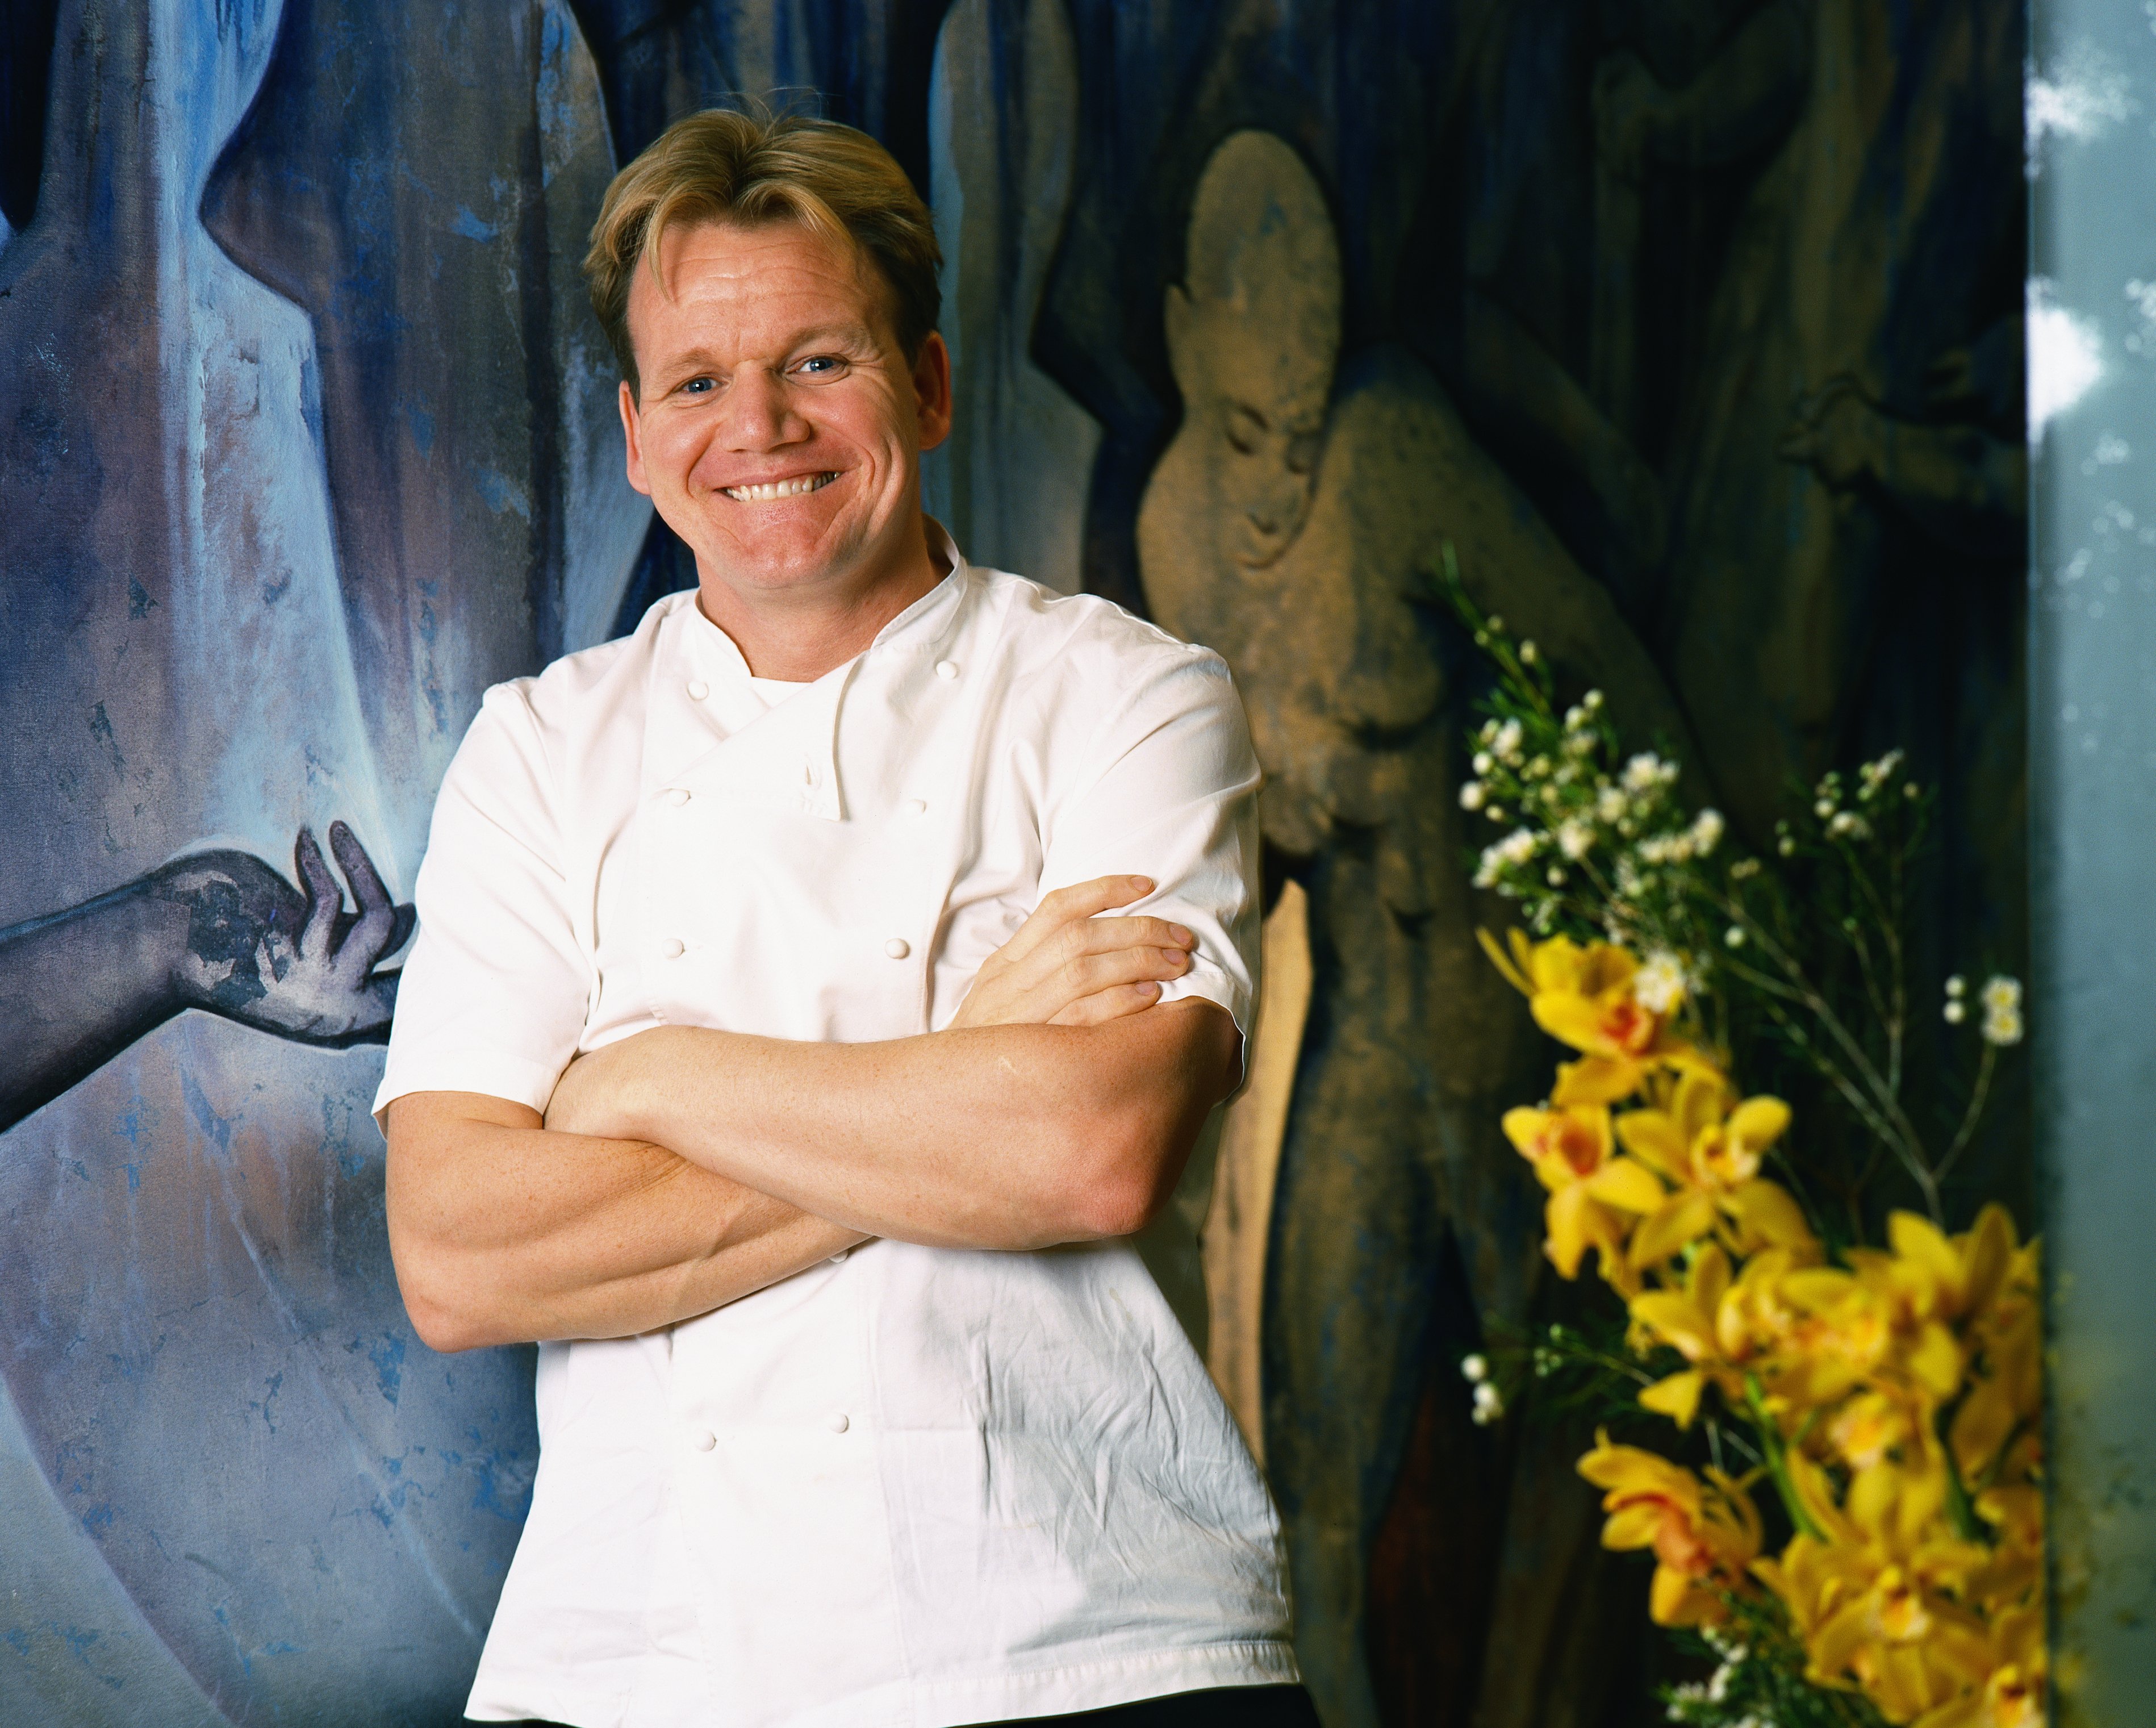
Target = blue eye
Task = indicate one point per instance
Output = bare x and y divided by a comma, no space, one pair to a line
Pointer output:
698,386
820,365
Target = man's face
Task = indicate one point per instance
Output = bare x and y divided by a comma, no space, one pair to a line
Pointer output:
780,429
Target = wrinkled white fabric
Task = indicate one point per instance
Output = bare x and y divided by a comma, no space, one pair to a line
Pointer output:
912,1486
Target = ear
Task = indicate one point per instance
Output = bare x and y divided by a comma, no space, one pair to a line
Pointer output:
631,430
1178,316
931,391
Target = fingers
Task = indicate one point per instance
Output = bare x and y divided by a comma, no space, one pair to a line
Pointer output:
1107,1005
366,887
324,898
369,938
1065,906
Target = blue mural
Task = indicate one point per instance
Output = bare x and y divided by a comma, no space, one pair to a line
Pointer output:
299,408
1693,322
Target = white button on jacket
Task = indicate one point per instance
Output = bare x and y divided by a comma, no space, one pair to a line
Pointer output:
940,1486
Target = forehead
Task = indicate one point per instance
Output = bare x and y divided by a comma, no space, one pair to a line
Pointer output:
1279,364
760,282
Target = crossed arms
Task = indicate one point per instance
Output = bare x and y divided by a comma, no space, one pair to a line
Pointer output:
681,1169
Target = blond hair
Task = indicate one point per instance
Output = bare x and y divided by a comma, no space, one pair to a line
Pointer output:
720,166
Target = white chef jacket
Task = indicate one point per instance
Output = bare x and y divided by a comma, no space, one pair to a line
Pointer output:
911,1486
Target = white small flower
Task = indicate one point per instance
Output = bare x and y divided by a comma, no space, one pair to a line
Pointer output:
1494,625
1643,772
1734,937
2001,994
1591,700
1518,848
1823,808
1496,813
1575,839
1912,790
1488,730
1528,655
1744,870
1484,762
1475,1368
1707,832
1957,985
1786,847
1610,803
1956,1011
2002,1025
1554,876
1658,985
1471,795
1717,1688
1489,1406
1849,823
1575,717
1506,746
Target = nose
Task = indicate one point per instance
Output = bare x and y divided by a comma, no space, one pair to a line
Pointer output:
759,412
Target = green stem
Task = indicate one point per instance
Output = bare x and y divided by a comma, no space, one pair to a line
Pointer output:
1776,1456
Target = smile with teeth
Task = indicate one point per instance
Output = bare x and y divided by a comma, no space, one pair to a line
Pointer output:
778,488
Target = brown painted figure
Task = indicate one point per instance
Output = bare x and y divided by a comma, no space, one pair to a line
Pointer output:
1297,524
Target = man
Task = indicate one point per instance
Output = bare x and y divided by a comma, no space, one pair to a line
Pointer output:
719,1069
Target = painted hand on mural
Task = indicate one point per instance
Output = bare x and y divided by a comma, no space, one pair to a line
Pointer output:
217,930
1959,475
286,961
1837,433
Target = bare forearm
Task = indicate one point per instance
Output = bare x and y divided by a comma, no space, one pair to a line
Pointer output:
1004,1136
507,1234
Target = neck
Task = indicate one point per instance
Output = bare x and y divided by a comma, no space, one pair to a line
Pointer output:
798,636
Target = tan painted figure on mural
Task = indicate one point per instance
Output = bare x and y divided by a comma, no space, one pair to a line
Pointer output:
1297,524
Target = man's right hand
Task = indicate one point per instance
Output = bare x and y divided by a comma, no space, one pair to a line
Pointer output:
1068,966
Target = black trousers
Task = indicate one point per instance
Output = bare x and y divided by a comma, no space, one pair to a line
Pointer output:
1221,1707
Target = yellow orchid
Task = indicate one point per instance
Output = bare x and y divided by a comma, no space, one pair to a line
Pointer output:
1708,1147
1584,997
2012,1694
1569,1146
1705,1534
1878,1599
1689,1319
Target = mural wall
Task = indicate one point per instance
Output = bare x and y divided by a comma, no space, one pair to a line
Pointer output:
1692,326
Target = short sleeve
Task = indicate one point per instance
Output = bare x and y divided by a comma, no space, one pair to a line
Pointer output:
1169,791
496,990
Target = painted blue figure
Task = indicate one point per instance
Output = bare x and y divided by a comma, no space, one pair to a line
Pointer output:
265,547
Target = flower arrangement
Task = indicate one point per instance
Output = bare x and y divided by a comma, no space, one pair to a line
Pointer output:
1842,1490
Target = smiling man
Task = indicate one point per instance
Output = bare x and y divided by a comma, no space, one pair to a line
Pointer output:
771,1056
